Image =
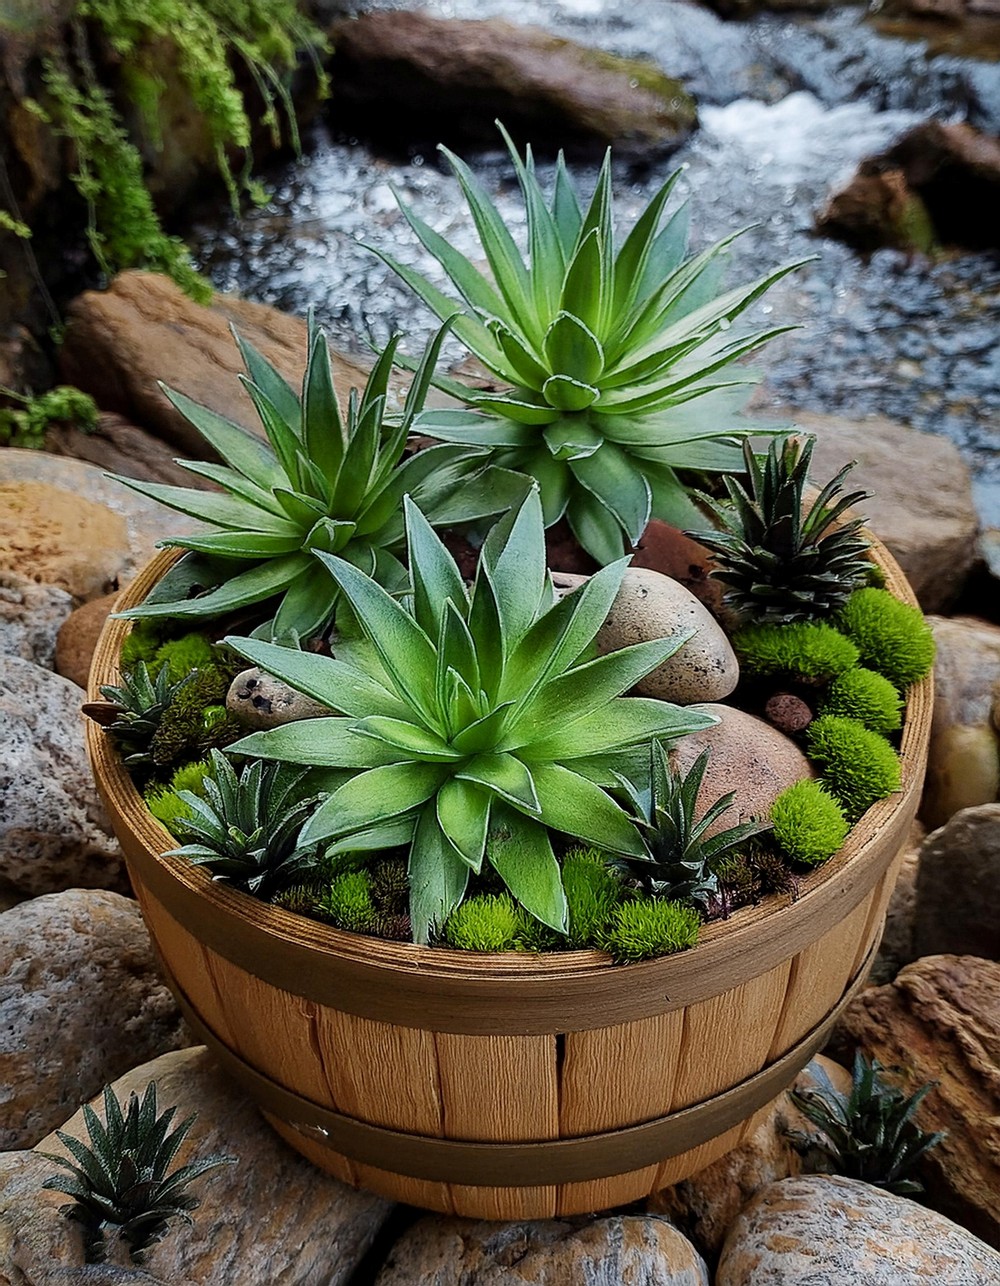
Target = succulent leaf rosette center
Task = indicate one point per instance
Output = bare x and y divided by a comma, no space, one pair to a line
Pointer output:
473,723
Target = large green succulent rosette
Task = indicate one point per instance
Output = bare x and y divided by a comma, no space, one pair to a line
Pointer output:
473,724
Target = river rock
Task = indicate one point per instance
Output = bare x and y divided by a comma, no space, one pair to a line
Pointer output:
649,606
122,341
963,759
958,886
665,548
624,1250
271,1217
930,531
940,1021
705,1206
83,999
817,1230
78,637
120,447
30,617
64,523
746,755
260,700
897,948
53,832
422,79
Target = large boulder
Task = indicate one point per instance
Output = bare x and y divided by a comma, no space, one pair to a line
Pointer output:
82,998
963,760
53,831
413,77
120,447
31,616
957,904
121,342
939,1021
818,1230
930,530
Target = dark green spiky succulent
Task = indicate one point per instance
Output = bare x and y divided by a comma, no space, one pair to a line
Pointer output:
781,558
244,826
142,702
473,722
321,483
122,1183
682,854
610,355
870,1133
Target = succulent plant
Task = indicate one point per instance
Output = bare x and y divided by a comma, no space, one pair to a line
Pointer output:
123,1183
868,1134
142,702
681,853
474,722
321,483
781,558
609,355
244,826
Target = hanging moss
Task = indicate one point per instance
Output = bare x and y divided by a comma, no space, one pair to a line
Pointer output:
25,424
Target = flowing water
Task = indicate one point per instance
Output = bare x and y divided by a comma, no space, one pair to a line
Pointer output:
787,108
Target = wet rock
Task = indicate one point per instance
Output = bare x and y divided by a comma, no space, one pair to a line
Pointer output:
64,523
963,761
53,832
826,1229
649,606
958,886
938,183
897,949
625,1250
705,1206
940,1021
271,1217
436,78
120,342
82,999
260,700
930,531
120,447
747,755
30,617
78,637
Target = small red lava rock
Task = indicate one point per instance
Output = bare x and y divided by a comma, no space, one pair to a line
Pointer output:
787,712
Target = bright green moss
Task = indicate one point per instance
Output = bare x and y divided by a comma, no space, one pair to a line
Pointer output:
167,807
810,651
191,776
892,637
650,927
26,424
347,903
181,656
809,824
867,696
593,890
859,766
141,644
195,721
485,922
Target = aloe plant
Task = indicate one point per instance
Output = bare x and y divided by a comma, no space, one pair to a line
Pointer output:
321,483
610,356
473,723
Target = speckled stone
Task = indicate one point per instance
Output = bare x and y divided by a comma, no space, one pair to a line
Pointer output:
624,1250
260,701
30,617
82,999
823,1230
649,606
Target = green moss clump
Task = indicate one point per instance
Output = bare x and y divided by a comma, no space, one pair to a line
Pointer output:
196,721
859,766
809,651
648,927
25,425
891,637
167,807
191,777
485,922
347,903
867,696
809,824
141,644
181,656
303,899
593,891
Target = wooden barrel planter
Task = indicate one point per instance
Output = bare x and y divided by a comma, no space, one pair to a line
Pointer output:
512,1085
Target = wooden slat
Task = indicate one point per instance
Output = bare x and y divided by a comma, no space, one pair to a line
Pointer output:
602,1194
187,960
503,1203
676,1169
314,1151
879,905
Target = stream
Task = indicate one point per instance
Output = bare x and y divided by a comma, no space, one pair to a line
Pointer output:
788,107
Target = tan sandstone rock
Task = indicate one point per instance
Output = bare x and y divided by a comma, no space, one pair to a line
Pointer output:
623,1250
261,701
83,1000
823,1230
78,637
940,1021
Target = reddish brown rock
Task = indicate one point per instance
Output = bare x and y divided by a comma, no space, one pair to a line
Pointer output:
120,447
78,637
423,79
120,342
940,1021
